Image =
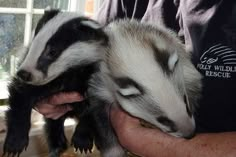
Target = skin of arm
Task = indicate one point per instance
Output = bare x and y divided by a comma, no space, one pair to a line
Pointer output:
148,142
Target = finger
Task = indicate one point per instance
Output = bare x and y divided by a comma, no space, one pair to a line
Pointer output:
62,108
44,108
54,116
58,112
63,98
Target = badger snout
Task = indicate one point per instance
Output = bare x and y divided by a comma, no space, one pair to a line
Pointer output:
30,76
24,75
189,127
178,125
185,128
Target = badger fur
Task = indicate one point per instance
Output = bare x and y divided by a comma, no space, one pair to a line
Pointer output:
153,76
150,75
65,51
140,67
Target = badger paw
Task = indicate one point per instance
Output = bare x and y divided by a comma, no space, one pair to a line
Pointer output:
14,145
82,141
55,153
57,146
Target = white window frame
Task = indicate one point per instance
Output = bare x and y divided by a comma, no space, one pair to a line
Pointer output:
29,11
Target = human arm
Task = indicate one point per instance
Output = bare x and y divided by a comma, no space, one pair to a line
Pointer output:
148,142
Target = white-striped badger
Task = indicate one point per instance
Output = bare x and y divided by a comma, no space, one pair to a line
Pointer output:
151,76
65,51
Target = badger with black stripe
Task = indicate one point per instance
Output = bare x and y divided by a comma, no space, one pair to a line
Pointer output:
150,75
65,51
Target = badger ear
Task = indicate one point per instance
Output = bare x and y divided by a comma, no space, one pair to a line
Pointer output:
91,23
129,91
88,29
85,23
48,15
127,87
172,61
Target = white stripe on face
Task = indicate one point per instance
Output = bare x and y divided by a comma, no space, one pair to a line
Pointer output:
81,53
39,42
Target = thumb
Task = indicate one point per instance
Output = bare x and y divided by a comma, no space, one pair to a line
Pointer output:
121,120
64,98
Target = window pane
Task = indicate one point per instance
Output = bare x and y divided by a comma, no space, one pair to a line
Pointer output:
89,7
11,38
13,3
58,4
35,20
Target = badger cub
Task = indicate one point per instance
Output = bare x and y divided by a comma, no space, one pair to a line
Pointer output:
65,51
151,76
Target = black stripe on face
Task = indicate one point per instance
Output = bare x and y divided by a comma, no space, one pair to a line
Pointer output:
188,107
162,58
168,123
69,33
125,83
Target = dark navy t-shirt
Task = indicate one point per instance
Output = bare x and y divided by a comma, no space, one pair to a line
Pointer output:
208,30
216,60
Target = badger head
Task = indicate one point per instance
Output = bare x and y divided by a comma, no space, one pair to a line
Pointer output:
61,41
146,64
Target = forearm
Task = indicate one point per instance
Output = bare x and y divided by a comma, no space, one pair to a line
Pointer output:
148,142
152,143
217,145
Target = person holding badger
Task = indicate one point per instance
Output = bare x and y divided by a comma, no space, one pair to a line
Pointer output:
207,28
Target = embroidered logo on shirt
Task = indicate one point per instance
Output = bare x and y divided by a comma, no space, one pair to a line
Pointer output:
218,61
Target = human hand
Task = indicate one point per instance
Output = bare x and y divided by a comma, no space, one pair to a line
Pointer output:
56,106
133,136
127,129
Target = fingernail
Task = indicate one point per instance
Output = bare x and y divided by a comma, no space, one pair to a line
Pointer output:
77,95
69,108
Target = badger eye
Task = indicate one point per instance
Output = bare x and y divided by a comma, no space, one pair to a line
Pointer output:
128,87
52,53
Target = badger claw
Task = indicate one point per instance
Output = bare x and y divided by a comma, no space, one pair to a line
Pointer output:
82,142
10,154
14,146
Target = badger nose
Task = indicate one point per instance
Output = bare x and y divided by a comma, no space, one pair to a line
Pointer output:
24,75
191,135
